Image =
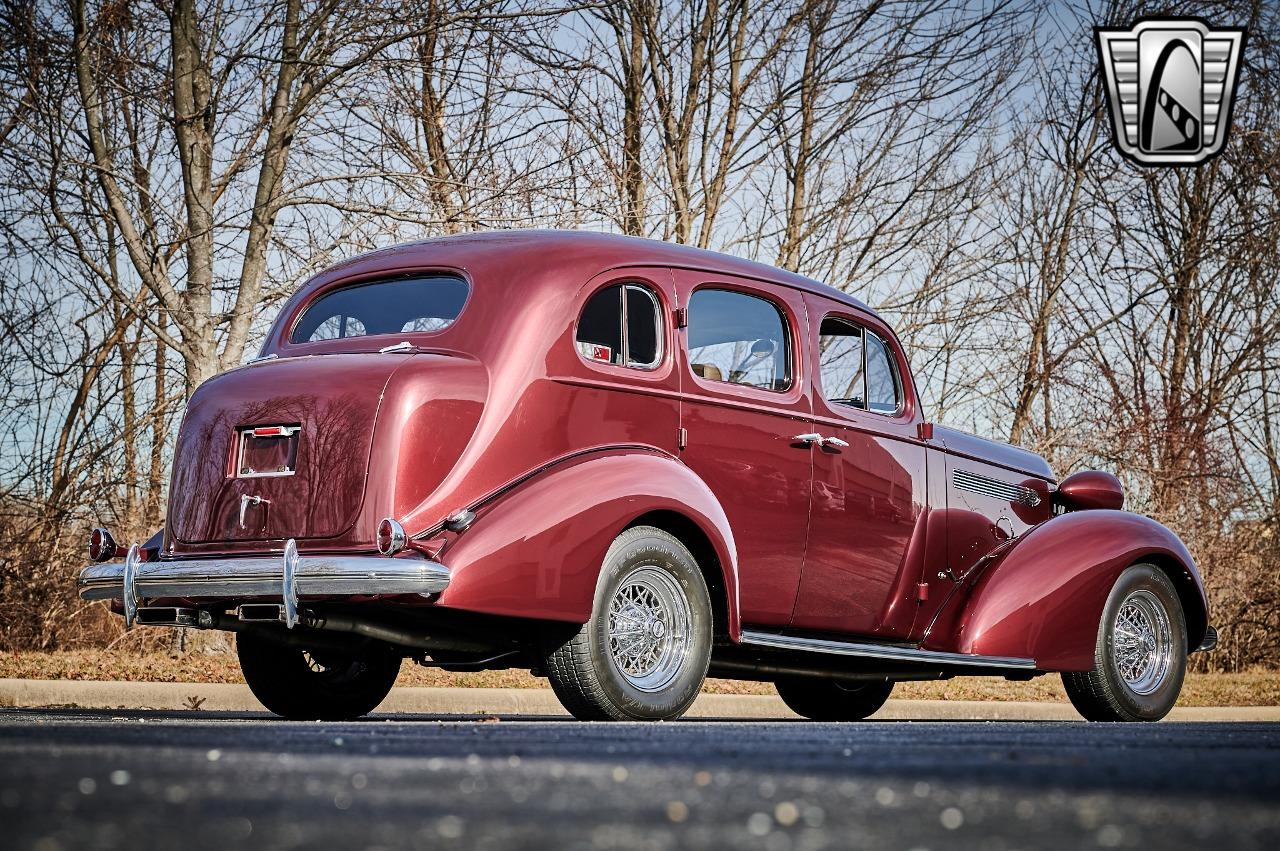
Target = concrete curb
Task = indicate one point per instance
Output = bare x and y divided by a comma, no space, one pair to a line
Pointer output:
221,697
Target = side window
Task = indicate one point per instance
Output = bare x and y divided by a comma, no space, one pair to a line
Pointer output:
841,369
620,325
738,338
856,368
882,378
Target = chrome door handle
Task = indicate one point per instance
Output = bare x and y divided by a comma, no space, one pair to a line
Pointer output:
809,437
834,441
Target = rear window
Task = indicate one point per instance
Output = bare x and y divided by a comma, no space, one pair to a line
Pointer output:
400,306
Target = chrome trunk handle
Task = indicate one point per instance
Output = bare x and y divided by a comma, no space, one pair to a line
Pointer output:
246,500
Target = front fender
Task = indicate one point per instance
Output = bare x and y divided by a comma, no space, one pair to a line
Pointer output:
1043,598
536,551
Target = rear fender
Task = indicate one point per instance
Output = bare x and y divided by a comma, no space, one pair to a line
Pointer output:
536,551
1043,598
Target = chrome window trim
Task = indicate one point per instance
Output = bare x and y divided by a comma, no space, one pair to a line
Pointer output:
795,366
659,329
315,298
658,335
898,391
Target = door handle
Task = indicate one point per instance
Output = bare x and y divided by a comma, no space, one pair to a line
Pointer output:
811,438
834,441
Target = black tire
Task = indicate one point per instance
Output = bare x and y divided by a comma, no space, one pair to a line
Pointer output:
321,685
831,700
584,669
1104,694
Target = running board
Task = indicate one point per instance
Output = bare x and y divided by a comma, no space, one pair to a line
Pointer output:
882,651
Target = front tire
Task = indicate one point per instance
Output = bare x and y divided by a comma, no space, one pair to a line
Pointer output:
831,700
319,685
1141,653
644,653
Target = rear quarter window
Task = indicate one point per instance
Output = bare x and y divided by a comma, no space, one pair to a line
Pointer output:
400,306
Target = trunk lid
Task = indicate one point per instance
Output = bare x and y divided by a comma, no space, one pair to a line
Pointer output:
278,449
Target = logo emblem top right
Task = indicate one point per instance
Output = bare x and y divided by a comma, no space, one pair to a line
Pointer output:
1170,83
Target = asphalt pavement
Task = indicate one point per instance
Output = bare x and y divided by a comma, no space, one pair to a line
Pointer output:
72,779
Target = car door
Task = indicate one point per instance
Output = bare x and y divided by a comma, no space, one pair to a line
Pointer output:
868,521
743,406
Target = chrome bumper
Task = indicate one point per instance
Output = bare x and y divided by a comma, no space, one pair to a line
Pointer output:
287,577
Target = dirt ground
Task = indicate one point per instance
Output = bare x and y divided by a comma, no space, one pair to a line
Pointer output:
211,665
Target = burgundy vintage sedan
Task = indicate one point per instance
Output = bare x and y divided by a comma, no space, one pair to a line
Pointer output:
625,465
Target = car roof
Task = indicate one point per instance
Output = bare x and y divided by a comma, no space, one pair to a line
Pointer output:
610,250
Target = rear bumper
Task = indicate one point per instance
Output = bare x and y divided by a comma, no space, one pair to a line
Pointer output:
240,578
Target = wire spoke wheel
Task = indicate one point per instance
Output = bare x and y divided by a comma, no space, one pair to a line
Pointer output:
649,628
1140,654
1142,647
644,652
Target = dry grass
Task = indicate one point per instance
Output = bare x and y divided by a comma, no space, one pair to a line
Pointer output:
1258,687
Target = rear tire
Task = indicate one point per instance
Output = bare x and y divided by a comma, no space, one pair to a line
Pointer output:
1141,653
644,653
316,685
832,700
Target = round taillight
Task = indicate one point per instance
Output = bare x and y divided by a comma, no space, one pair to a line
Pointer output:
391,537
101,545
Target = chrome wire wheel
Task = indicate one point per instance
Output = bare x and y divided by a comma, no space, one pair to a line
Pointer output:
650,628
1142,644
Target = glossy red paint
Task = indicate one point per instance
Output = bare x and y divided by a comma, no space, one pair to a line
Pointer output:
868,522
741,442
1090,489
556,454
1042,598
536,551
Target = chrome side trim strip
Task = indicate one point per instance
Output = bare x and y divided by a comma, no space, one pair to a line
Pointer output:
881,651
237,578
987,486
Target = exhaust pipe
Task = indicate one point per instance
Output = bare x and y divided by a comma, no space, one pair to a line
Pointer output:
392,634
260,612
265,613
168,616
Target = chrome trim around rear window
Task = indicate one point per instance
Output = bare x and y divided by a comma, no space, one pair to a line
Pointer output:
238,578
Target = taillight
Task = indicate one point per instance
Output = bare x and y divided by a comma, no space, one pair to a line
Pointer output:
102,546
391,537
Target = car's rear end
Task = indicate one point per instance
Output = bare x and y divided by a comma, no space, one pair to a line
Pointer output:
285,473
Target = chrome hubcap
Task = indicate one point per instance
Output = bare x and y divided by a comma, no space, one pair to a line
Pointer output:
650,629
1142,642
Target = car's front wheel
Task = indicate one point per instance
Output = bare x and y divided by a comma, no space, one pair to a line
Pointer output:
1141,652
644,653
316,685
832,700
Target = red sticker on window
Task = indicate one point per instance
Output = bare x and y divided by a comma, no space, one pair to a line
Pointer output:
603,353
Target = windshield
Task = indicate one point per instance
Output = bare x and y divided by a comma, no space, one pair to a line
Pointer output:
400,306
